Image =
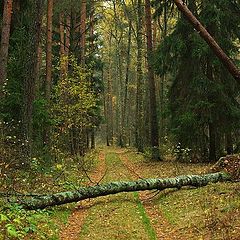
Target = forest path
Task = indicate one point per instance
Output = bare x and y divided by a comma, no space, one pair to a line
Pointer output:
120,216
163,229
76,220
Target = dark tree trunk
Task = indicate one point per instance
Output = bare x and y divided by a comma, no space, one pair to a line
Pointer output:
5,35
67,41
229,143
152,90
212,142
109,100
93,139
139,100
49,50
83,31
118,187
35,12
62,46
48,84
227,62
125,103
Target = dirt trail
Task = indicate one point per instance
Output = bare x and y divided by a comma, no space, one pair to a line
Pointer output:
121,216
161,226
76,220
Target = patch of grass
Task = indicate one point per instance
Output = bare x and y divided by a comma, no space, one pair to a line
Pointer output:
117,216
145,219
210,212
20,224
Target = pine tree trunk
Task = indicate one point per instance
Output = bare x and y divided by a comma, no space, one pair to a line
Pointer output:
67,42
125,101
152,89
118,187
39,66
109,98
49,50
35,12
5,35
139,101
83,31
212,143
48,83
229,142
227,62
91,52
93,138
62,46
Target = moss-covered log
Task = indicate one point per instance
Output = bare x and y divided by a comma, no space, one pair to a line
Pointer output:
117,187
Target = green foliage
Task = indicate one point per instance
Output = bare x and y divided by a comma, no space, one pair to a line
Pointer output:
74,108
17,223
74,100
41,115
202,91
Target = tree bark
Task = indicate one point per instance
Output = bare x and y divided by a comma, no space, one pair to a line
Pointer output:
109,98
152,89
48,84
212,142
49,50
64,31
139,128
5,35
227,62
125,101
62,44
229,142
83,31
35,12
93,144
42,202
39,66
67,42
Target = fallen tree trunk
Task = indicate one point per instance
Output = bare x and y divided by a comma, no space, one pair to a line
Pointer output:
222,56
118,187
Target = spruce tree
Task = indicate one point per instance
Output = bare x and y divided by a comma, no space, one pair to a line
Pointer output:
202,98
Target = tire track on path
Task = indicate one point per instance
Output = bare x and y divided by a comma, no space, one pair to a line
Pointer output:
159,223
76,220
117,216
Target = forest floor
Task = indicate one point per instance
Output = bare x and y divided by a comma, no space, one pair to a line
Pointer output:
211,212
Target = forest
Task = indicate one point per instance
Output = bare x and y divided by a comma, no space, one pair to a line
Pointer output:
120,119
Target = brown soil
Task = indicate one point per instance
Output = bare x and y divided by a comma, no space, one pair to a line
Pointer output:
76,220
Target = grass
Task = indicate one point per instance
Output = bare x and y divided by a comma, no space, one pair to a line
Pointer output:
211,212
120,216
16,223
145,219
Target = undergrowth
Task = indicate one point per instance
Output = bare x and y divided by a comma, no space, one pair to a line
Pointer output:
67,174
